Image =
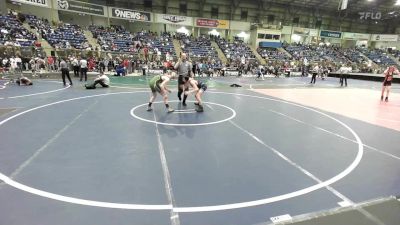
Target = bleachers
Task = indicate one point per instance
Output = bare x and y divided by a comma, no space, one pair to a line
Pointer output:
63,36
235,50
353,55
118,39
198,47
66,35
162,43
315,53
378,56
272,54
114,38
13,33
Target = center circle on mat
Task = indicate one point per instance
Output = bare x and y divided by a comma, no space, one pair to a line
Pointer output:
188,110
238,205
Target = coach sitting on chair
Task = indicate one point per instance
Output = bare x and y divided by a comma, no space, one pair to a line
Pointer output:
102,79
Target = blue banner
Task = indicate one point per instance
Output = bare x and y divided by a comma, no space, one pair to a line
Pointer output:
330,34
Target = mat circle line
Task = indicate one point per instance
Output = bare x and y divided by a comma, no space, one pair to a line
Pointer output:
183,124
264,201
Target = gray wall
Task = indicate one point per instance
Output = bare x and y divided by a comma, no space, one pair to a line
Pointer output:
3,7
258,13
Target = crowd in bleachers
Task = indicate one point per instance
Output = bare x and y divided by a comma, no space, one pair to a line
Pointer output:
157,44
235,50
316,53
67,36
378,56
154,47
114,38
12,33
62,36
118,39
395,53
197,47
272,54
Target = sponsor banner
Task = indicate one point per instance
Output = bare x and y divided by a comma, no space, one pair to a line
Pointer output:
128,14
305,31
384,37
357,36
222,24
81,7
330,34
172,19
41,3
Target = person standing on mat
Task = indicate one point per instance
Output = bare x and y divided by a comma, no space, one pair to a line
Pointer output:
387,82
343,74
65,71
198,87
183,68
159,84
84,68
314,74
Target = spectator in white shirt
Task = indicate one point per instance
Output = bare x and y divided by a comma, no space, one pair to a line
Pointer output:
343,74
75,65
84,68
18,61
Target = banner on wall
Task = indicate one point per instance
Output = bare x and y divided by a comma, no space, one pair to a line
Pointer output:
212,23
330,34
127,14
173,19
384,37
41,3
357,36
81,7
305,31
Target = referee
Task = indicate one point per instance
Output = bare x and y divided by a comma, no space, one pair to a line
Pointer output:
65,71
183,68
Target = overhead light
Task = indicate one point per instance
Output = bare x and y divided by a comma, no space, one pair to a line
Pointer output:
214,32
397,2
183,30
242,34
296,38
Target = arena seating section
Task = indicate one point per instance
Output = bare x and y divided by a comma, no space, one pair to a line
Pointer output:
198,47
317,53
272,54
63,36
118,39
114,38
378,56
13,32
162,42
235,50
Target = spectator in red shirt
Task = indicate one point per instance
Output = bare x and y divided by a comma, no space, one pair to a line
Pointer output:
146,53
91,64
50,63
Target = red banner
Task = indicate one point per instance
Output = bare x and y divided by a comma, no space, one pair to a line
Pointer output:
213,23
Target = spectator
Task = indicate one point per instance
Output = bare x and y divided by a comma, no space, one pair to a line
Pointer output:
84,68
